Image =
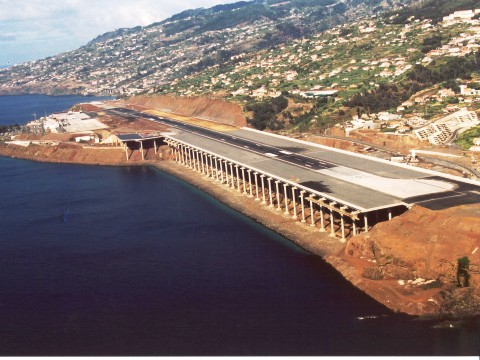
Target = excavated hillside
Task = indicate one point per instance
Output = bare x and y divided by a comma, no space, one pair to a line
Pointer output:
215,110
410,263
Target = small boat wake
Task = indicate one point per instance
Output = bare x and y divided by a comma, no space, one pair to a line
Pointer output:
369,317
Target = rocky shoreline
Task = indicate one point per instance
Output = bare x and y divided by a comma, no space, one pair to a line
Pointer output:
443,301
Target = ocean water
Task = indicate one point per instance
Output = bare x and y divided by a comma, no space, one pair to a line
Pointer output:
145,264
22,109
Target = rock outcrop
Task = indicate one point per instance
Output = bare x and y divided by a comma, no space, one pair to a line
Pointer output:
410,263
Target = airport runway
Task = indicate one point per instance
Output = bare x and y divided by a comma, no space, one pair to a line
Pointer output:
365,182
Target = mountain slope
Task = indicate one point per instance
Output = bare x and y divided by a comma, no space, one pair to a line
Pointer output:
128,61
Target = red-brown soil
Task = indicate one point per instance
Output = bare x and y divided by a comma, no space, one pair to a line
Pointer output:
420,244
197,107
66,153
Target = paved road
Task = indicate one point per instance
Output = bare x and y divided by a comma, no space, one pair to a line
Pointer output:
361,181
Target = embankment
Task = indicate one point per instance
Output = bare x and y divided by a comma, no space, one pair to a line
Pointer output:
66,153
215,110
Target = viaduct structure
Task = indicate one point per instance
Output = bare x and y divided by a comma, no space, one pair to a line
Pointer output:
316,209
335,191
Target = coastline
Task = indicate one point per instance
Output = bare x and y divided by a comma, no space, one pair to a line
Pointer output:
417,301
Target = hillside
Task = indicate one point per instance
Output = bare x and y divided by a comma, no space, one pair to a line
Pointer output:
131,61
410,263
295,66
360,68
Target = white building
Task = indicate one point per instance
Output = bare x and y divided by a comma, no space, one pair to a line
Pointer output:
466,91
444,129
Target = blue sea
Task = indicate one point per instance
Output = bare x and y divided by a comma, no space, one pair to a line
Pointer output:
145,264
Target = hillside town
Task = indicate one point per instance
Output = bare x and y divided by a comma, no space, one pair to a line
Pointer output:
332,65
132,61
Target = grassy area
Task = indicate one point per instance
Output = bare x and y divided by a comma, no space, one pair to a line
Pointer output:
465,140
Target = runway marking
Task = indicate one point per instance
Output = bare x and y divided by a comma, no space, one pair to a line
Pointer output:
439,198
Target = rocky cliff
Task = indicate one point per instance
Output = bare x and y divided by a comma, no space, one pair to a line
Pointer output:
410,263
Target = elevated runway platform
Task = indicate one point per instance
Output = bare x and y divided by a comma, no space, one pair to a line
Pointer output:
364,182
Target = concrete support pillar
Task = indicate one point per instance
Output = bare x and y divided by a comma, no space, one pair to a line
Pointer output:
277,186
210,173
256,186
243,181
343,227
270,191
286,199
322,220
197,160
354,225
366,222
126,152
141,149
155,145
202,162
232,176
221,171
262,177
332,224
206,164
187,157
294,203
217,173
225,163
238,178
174,151
182,154
302,201
250,182
389,214
191,160
312,212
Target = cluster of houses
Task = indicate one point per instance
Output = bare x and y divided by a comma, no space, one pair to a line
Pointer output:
464,44
444,129
131,62
326,68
